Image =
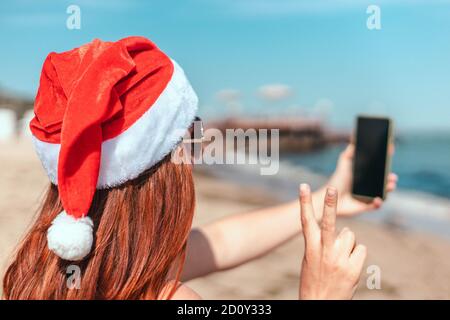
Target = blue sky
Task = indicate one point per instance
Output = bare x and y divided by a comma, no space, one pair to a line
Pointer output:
320,50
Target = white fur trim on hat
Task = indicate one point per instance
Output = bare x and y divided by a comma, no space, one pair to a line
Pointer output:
142,145
70,238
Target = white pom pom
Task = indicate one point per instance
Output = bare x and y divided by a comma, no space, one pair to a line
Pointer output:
69,238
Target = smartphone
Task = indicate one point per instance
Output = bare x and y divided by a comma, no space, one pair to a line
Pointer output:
371,162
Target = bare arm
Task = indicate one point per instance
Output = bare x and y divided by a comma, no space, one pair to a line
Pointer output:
240,238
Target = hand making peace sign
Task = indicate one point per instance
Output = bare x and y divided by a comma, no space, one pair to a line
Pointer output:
332,263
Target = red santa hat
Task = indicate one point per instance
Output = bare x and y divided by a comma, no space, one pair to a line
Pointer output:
104,113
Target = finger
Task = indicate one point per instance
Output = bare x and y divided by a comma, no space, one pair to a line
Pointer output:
391,186
358,257
392,177
391,149
311,231
347,241
349,152
329,217
375,204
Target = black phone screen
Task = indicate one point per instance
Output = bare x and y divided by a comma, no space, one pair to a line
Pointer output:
369,167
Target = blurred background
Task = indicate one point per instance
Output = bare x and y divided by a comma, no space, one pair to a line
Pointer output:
307,67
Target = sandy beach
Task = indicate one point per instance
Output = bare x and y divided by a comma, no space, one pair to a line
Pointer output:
413,265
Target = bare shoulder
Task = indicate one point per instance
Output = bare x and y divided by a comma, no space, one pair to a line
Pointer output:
183,292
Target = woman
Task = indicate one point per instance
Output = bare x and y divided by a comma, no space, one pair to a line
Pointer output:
109,118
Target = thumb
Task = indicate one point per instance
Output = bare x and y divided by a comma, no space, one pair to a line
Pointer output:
349,152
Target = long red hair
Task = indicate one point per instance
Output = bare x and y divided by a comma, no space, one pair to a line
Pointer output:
140,238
